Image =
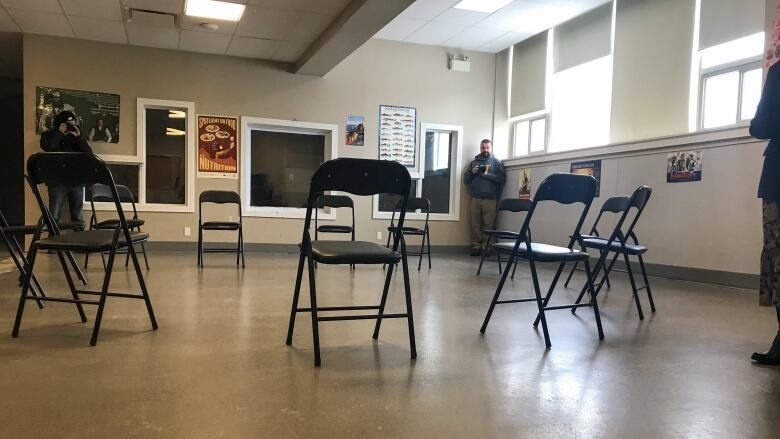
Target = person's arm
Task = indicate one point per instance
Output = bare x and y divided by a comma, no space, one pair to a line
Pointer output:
469,176
51,140
108,135
92,134
766,122
81,145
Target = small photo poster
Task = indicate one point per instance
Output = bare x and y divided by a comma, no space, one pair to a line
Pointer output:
355,131
525,184
217,146
97,113
683,166
590,167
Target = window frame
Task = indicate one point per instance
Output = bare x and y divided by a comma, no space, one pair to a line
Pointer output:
456,172
248,124
531,118
741,66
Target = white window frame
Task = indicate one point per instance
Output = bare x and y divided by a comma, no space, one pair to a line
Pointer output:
248,124
455,173
741,66
140,159
530,118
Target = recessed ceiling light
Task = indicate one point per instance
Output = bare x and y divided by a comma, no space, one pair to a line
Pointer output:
488,6
214,9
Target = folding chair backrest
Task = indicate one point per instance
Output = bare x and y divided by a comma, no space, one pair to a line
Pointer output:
219,197
639,200
616,204
514,205
334,201
101,193
415,203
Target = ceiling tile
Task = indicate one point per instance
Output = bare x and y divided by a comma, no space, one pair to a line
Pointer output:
326,7
6,24
97,29
459,16
309,27
502,42
435,33
170,6
400,28
288,51
473,38
33,5
427,9
108,9
193,23
151,36
542,16
206,42
252,47
271,24
42,23
507,17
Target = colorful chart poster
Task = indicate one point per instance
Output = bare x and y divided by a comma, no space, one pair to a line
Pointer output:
590,167
217,147
97,113
397,134
683,166
525,184
355,131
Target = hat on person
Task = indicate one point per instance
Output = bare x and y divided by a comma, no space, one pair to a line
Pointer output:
63,117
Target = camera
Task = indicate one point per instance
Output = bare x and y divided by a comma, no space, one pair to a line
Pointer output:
71,127
482,169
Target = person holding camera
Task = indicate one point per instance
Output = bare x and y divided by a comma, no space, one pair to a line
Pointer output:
65,136
485,178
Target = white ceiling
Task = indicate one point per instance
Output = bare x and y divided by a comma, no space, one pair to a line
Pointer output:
279,30
437,23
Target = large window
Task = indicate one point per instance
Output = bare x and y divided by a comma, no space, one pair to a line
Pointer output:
530,136
279,159
439,177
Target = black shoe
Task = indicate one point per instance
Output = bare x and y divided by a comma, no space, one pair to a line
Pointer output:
770,357
476,252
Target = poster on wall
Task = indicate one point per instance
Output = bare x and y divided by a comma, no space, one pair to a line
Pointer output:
590,167
525,184
97,113
217,147
683,166
397,134
355,131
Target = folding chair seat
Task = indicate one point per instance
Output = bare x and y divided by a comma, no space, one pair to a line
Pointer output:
423,205
102,193
76,169
494,235
618,246
561,189
220,197
359,177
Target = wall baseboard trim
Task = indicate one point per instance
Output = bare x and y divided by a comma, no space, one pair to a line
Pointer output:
182,246
724,278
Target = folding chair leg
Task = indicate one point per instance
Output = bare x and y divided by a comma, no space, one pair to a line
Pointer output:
484,251
427,232
571,273
593,300
630,273
315,332
498,259
513,268
241,240
86,260
647,283
76,267
383,301
408,293
200,247
146,260
422,252
550,291
72,286
296,294
606,276
495,298
127,258
17,254
103,292
25,287
601,282
238,248
142,282
540,303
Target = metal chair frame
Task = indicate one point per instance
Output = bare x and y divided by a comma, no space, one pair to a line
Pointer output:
424,205
513,205
221,197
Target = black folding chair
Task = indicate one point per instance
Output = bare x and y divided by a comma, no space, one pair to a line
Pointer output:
562,189
102,193
75,169
220,197
360,177
513,205
619,244
614,206
412,205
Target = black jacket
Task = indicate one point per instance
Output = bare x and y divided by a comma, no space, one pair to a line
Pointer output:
766,125
54,141
489,184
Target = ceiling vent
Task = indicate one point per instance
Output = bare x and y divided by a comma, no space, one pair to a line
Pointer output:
151,18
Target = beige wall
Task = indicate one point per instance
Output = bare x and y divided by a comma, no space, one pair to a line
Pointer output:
380,72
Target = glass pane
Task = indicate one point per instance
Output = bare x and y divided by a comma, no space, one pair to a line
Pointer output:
166,171
538,134
387,202
751,93
721,93
282,165
521,138
437,180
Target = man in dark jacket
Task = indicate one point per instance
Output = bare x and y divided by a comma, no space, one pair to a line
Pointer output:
65,136
485,177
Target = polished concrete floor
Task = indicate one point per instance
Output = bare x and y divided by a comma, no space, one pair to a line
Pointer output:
218,365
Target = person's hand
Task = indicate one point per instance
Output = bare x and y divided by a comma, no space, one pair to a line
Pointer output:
75,131
475,170
63,128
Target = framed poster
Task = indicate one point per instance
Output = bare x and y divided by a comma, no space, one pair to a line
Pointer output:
683,166
525,184
97,113
398,134
217,147
590,167
355,131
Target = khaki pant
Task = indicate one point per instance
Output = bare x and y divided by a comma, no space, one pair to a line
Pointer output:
483,213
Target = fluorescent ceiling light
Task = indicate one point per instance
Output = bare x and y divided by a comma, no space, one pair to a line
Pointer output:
174,132
177,114
214,9
488,6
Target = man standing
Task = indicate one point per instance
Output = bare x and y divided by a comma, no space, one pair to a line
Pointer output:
65,136
485,178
